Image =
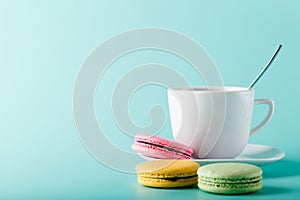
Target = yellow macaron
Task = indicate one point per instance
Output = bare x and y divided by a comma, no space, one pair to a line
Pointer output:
168,173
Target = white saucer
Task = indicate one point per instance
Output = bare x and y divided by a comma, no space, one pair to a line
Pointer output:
252,154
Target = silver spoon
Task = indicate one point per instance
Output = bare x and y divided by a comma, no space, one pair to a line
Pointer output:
265,68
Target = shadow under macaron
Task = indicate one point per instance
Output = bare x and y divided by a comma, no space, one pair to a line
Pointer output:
271,190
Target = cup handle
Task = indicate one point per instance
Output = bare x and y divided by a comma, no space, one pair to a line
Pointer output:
270,103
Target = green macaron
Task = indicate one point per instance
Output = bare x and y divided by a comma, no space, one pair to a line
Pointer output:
230,178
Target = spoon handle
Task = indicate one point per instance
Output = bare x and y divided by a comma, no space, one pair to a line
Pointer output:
265,68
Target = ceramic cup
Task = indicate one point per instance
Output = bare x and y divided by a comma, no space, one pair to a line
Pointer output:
215,121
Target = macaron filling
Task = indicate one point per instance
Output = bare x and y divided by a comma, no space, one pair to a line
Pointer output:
165,147
230,185
232,180
178,178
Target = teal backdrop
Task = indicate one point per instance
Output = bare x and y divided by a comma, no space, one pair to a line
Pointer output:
44,43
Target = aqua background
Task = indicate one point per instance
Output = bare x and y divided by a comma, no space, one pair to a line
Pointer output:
44,43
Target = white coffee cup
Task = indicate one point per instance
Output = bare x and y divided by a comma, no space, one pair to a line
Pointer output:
215,121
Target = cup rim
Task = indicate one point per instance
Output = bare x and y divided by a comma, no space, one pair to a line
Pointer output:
211,89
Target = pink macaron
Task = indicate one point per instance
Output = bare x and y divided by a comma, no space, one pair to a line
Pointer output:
157,147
